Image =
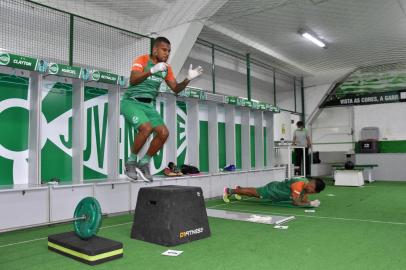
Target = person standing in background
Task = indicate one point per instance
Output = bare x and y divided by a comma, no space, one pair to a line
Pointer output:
302,139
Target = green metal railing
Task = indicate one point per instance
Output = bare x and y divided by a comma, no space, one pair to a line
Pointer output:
250,62
70,47
71,39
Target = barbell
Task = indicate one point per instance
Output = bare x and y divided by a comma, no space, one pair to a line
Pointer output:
87,218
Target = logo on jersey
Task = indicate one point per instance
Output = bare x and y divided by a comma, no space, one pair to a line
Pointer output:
135,119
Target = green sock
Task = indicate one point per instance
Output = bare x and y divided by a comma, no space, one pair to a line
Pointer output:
144,160
132,157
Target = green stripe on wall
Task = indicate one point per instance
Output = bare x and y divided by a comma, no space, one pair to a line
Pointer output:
92,174
13,123
51,155
6,171
180,123
222,144
252,139
204,146
238,159
14,127
57,101
388,146
392,146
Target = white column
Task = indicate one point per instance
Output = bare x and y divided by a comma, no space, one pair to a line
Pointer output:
259,140
230,134
192,132
245,139
170,121
270,155
34,144
213,138
113,130
78,129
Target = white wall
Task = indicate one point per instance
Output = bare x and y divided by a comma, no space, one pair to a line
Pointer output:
316,86
389,118
262,84
282,126
285,100
335,124
294,119
313,96
231,78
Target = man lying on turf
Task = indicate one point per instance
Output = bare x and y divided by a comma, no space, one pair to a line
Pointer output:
295,190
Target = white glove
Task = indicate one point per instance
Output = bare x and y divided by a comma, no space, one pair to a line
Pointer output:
194,73
315,203
161,66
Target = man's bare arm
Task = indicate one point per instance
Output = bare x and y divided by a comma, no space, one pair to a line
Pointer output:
299,202
138,77
177,87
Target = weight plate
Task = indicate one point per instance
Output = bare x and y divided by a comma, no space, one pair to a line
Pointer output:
89,208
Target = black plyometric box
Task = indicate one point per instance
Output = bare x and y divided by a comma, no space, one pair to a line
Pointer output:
170,215
92,251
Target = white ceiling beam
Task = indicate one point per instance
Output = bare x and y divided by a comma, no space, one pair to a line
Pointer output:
191,15
181,12
182,39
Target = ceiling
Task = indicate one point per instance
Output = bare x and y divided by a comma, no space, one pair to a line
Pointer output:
358,32
141,16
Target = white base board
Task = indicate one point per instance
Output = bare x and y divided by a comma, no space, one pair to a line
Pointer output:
46,204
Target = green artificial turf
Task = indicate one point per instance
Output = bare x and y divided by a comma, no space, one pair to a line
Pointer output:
354,228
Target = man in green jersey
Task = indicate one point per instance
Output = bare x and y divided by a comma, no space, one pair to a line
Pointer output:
137,104
294,190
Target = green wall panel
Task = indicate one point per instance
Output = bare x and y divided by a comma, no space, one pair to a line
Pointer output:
222,144
204,147
181,132
238,145
388,146
252,143
13,123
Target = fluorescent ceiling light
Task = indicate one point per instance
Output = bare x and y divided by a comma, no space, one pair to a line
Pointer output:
313,39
